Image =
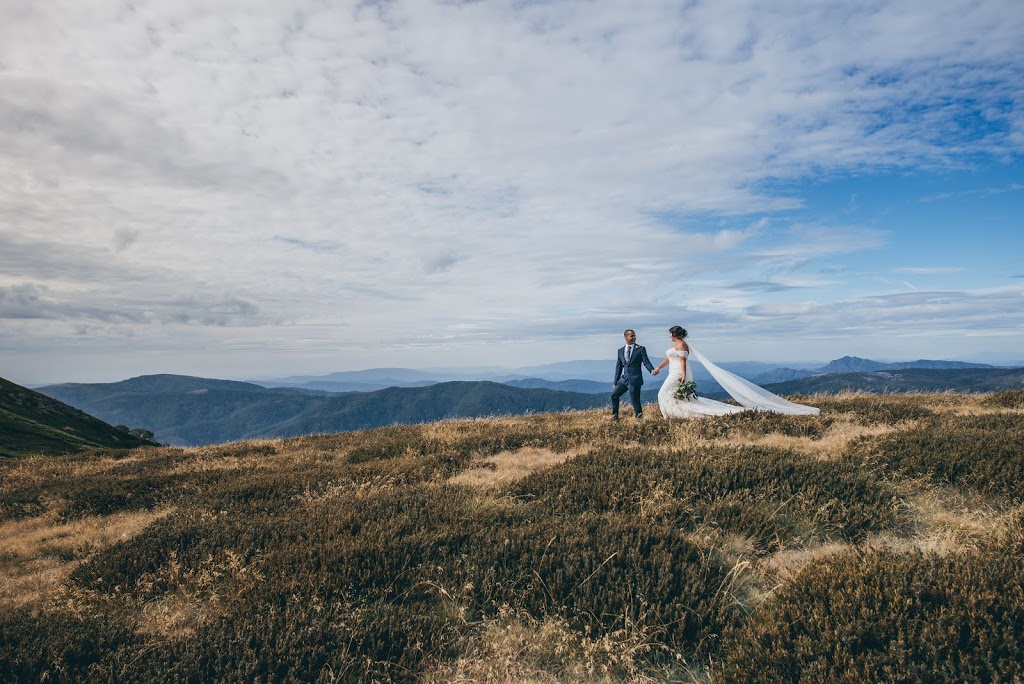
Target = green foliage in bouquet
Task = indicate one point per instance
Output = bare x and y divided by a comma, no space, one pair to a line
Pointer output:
687,390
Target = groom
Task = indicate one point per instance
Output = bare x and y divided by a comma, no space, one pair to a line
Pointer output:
629,375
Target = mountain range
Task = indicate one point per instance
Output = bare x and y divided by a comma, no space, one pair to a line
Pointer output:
182,410
549,376
588,377
848,364
853,363
897,380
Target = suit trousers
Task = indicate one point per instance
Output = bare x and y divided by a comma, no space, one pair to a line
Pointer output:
634,396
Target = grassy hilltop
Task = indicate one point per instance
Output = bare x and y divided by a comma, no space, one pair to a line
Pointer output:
879,541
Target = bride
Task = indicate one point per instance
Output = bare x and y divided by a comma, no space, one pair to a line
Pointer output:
746,393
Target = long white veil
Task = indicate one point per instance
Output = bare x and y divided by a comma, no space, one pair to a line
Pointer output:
747,393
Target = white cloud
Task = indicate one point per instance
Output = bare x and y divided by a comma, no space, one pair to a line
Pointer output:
929,270
475,172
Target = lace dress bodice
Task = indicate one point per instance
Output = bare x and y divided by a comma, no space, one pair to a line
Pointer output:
675,370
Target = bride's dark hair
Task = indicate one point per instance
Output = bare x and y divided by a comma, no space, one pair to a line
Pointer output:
677,332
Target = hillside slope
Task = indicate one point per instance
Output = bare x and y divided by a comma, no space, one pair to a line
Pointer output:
906,380
33,423
184,410
408,405
848,364
880,541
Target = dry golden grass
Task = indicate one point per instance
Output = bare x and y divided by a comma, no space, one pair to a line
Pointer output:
32,581
37,554
958,403
195,596
947,521
515,648
175,616
786,564
44,468
951,520
830,445
508,466
171,603
27,470
216,463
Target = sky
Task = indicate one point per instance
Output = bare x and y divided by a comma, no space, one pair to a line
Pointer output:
255,189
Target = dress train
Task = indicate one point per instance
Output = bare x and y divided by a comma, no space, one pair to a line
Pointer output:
750,396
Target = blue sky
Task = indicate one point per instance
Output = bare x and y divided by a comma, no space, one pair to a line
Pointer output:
254,189
958,229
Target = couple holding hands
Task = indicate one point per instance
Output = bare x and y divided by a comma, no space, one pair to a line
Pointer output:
677,397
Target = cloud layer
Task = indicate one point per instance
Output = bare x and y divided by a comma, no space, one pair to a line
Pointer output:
244,185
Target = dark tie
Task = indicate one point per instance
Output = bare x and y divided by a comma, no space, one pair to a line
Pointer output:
628,353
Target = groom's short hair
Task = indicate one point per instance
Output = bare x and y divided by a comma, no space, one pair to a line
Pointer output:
628,330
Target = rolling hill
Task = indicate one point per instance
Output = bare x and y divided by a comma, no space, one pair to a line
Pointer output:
850,364
33,423
588,377
853,363
182,410
706,382
581,386
906,380
880,541
571,376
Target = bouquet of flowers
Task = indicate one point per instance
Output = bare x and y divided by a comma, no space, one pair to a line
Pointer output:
687,390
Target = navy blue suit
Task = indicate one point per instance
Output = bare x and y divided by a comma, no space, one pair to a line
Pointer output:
629,377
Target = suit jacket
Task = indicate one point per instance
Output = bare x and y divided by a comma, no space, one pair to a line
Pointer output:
632,373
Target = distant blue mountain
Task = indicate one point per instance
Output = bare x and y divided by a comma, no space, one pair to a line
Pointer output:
577,375
853,363
598,371
183,410
339,387
850,364
379,377
782,375
582,386
906,380
586,376
706,385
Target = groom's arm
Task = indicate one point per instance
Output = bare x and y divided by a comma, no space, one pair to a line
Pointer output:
618,369
646,361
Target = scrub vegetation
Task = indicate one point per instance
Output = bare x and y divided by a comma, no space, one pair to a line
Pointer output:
879,541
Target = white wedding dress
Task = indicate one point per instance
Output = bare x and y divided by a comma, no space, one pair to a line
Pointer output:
752,397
